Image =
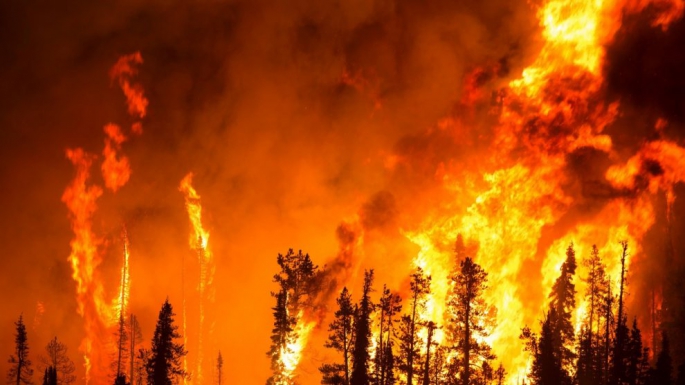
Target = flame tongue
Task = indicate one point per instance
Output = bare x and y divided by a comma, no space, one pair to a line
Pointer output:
199,241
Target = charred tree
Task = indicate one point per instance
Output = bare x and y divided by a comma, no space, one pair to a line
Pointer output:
57,358
121,338
389,305
664,366
219,368
410,349
470,317
50,376
362,340
280,335
164,366
20,371
136,337
547,367
621,333
340,338
430,326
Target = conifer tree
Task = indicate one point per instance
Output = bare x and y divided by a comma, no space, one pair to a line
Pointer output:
219,368
164,364
389,305
295,280
470,317
20,371
547,368
340,338
57,358
410,349
664,367
621,333
563,301
362,340
136,337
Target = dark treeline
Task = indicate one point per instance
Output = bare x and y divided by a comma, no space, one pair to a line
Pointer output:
161,364
390,342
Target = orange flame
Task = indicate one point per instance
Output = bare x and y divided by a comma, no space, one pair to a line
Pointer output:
199,241
122,71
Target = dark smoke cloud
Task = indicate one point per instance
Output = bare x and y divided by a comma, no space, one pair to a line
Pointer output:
645,66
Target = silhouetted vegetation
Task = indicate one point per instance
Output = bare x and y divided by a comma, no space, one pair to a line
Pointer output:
164,363
20,365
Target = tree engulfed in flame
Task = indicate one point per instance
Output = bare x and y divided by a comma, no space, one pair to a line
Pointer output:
99,313
199,241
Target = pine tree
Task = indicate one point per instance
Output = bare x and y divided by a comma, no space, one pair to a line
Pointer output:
621,333
295,281
430,327
362,341
410,349
547,368
164,364
664,366
340,338
469,317
136,338
389,305
121,339
219,368
20,365
281,334
57,358
563,301
589,363
50,376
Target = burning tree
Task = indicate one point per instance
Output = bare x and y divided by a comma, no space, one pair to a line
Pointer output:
20,370
296,280
164,364
469,318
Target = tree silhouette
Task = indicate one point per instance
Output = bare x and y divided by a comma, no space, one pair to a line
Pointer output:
296,284
664,367
469,317
20,371
50,376
546,368
563,301
57,358
620,349
410,349
219,368
340,338
389,305
362,341
136,337
164,364
121,339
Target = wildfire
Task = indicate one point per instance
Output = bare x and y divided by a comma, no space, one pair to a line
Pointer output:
292,353
546,114
199,240
98,312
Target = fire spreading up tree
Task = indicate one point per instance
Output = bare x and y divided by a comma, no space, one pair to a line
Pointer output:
295,280
20,365
164,366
